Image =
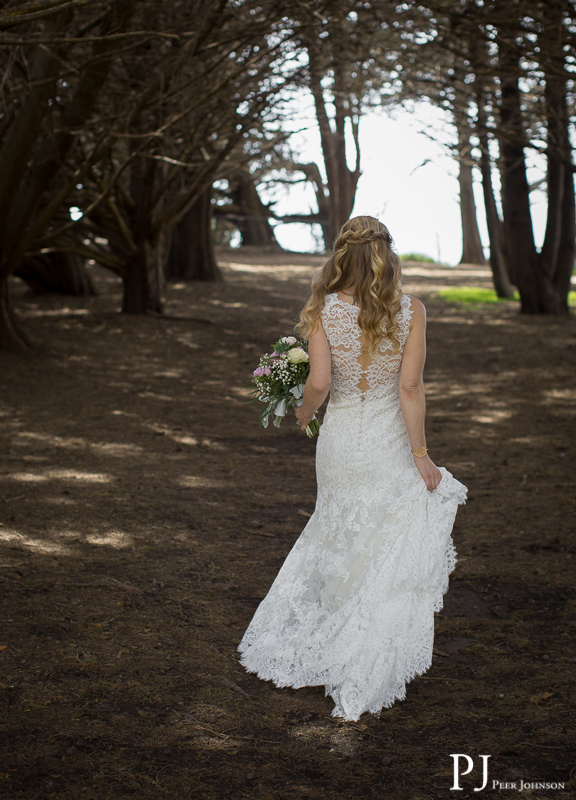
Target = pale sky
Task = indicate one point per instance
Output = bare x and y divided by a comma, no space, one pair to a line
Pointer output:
419,204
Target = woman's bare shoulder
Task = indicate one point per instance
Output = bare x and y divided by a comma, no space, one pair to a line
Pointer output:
417,310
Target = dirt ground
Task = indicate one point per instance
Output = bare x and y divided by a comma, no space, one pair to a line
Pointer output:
144,516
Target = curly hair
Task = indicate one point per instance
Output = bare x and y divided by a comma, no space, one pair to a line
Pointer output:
363,260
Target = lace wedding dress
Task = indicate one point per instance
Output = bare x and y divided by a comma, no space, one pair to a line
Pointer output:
352,607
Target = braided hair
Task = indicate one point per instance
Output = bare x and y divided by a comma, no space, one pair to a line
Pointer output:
360,236
363,260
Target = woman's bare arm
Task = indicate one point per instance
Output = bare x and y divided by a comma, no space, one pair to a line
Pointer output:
412,399
318,383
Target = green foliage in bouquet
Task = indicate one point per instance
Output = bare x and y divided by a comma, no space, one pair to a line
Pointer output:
279,380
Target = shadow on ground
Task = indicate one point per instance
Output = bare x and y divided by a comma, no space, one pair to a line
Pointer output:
144,516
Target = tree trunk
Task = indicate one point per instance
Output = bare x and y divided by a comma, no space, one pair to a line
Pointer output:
143,279
543,279
18,141
192,254
537,295
11,337
322,218
40,160
252,222
57,272
567,249
556,258
143,274
341,182
346,179
472,251
502,283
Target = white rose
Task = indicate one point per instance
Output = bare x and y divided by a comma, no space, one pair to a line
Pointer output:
297,355
289,339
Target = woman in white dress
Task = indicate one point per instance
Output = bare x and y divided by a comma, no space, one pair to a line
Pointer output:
352,607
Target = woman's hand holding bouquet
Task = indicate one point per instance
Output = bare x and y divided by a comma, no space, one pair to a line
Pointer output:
279,379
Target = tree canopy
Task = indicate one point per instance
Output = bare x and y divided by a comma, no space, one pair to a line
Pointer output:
118,118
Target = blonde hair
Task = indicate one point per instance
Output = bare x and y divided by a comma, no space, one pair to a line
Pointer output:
364,260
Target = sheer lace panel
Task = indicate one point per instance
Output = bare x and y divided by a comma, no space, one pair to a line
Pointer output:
355,371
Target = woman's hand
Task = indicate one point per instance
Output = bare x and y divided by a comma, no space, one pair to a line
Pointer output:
303,419
318,382
430,473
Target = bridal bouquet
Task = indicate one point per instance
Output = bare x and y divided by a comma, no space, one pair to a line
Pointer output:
280,379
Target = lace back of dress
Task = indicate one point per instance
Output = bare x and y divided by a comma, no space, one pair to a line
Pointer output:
356,372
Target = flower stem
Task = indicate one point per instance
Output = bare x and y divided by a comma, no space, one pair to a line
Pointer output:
313,429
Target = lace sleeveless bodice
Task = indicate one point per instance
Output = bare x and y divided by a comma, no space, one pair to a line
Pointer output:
355,373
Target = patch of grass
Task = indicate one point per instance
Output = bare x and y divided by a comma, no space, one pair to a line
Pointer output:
472,294
417,257
469,295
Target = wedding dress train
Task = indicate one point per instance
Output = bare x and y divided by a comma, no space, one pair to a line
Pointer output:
352,607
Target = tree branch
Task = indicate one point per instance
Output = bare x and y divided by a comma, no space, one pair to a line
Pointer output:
47,8
89,39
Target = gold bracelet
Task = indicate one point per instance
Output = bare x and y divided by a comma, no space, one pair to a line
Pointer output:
420,452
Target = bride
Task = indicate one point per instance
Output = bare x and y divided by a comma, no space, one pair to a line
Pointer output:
352,608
